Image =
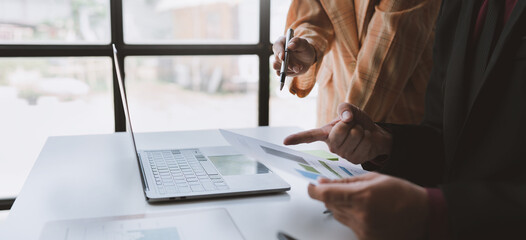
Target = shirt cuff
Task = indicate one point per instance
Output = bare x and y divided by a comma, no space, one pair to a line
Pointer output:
380,161
437,219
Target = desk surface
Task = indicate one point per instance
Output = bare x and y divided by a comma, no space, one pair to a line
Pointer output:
97,176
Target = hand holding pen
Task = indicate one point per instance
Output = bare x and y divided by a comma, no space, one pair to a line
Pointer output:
301,55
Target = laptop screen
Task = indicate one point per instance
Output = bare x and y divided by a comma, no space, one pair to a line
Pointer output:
124,99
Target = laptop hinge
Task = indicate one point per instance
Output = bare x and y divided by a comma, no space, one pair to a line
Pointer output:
144,179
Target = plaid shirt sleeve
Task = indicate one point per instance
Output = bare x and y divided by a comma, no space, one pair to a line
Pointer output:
310,21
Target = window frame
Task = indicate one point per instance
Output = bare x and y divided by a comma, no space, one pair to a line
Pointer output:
263,50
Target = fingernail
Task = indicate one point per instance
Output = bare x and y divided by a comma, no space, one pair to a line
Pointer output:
346,115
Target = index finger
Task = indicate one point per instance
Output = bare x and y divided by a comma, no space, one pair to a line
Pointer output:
317,134
298,44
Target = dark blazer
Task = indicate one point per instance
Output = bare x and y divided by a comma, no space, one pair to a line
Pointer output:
474,149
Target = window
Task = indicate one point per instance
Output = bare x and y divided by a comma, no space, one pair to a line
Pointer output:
192,92
46,96
210,56
55,22
191,22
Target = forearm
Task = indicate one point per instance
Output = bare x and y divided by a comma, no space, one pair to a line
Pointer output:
310,21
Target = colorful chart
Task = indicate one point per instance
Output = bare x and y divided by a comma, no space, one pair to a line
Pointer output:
346,171
330,169
309,168
310,175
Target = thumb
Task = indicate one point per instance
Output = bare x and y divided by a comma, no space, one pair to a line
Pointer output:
358,178
350,113
346,116
346,112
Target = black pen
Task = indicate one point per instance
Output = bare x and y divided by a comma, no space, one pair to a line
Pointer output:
284,236
285,62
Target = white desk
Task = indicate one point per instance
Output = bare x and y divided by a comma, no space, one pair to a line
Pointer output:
97,176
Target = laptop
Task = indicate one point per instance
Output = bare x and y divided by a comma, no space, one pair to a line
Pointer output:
194,173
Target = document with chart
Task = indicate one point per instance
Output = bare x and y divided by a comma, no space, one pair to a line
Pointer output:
298,163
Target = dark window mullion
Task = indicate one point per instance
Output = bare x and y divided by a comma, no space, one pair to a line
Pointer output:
264,55
54,50
178,50
125,50
117,37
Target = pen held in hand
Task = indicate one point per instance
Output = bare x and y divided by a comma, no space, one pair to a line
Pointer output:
285,61
284,236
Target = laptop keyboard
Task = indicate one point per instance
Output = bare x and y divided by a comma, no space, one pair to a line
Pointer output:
184,171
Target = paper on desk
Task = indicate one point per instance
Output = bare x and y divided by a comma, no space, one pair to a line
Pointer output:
295,162
184,225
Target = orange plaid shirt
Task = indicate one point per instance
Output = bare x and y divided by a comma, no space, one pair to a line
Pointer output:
373,54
